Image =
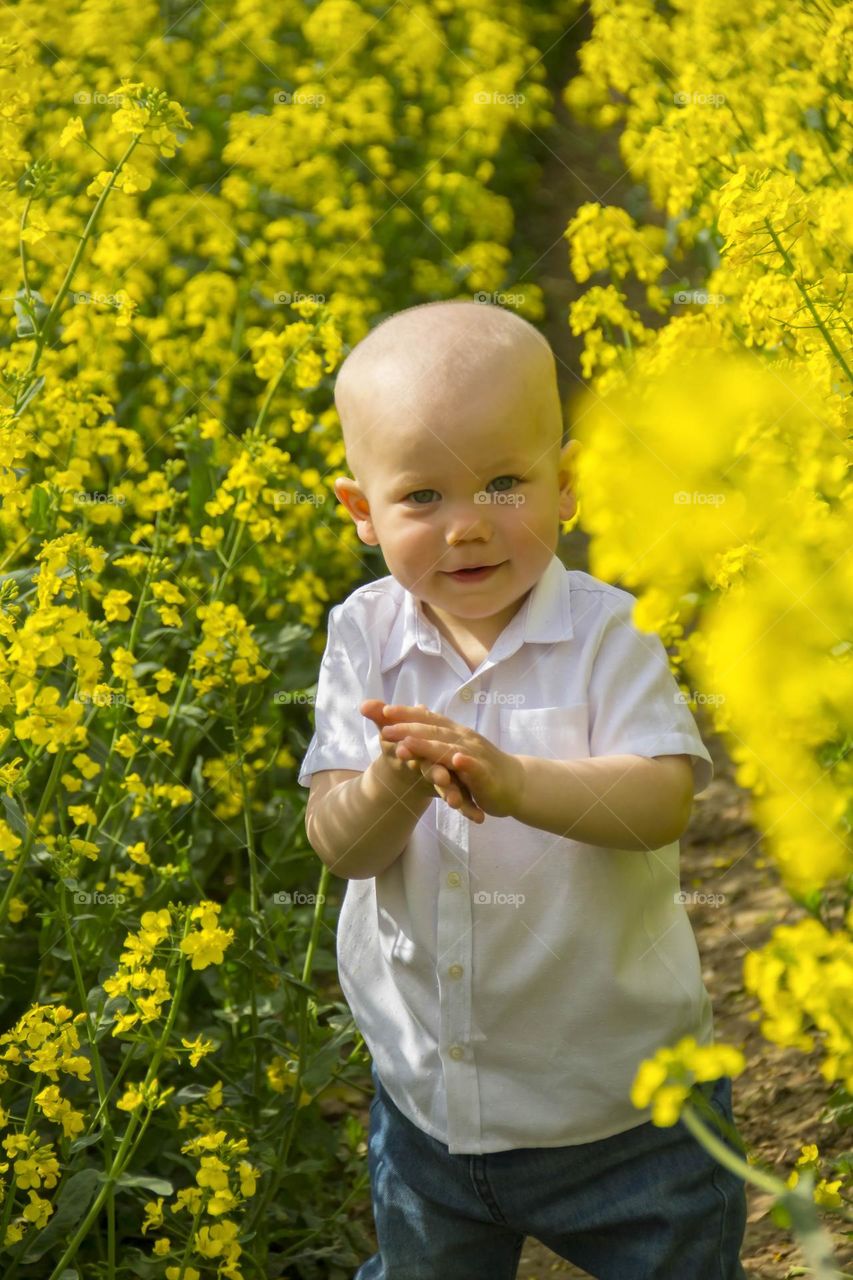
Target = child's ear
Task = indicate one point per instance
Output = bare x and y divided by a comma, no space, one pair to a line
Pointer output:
351,495
568,479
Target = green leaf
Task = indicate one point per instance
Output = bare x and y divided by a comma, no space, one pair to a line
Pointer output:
30,310
159,1186
14,817
839,1108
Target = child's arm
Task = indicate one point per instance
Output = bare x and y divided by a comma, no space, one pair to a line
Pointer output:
618,802
359,825
362,825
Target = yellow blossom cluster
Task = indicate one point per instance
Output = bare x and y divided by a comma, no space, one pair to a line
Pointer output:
225,1180
35,1167
664,1081
45,1040
206,945
803,978
227,651
144,984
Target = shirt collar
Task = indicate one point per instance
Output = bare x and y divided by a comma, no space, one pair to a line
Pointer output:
544,617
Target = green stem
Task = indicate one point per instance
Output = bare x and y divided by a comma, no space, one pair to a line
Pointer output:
830,342
49,320
108,1135
134,634
253,911
727,1157
24,217
279,1164
265,407
32,831
191,1238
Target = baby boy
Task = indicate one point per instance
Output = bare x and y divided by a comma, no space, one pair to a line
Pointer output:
501,768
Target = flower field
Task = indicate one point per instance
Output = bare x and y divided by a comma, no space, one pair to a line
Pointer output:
204,209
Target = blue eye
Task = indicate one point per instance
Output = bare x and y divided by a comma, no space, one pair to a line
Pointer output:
414,494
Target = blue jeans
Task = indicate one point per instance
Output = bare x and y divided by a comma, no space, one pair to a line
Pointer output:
647,1204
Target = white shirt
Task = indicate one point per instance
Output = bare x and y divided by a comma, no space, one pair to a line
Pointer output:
508,981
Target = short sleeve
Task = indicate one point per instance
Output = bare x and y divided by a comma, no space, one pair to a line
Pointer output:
339,740
635,704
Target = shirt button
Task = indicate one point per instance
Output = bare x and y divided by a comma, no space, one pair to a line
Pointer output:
456,971
454,879
457,1052
466,695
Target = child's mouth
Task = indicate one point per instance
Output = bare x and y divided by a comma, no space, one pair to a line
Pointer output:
474,575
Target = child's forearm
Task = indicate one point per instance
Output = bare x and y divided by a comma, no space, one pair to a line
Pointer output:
617,802
363,825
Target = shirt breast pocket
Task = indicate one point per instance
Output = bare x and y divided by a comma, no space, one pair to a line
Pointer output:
555,733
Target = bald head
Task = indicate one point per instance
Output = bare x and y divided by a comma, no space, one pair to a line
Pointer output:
430,366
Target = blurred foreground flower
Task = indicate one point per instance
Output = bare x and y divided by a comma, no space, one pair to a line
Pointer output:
664,1081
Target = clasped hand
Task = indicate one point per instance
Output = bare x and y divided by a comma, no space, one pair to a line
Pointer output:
466,770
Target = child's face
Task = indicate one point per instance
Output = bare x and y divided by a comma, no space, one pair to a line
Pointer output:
468,482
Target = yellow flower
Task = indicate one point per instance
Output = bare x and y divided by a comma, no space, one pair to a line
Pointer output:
826,1194
38,1211
153,1214
73,130
130,1099
664,1081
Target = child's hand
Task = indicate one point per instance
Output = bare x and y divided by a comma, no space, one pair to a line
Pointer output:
492,776
435,775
